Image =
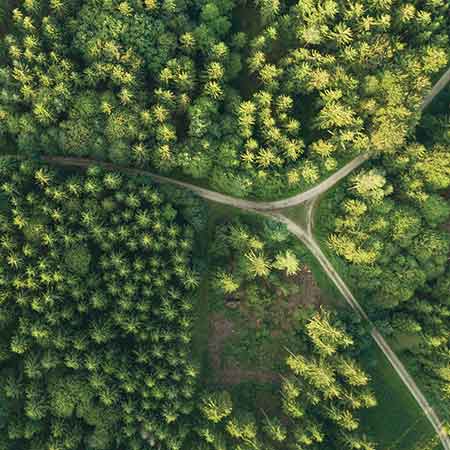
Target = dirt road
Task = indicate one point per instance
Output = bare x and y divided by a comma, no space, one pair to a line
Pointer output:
217,196
437,88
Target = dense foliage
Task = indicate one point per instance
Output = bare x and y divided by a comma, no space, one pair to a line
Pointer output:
253,96
95,311
391,240
388,229
389,226
247,258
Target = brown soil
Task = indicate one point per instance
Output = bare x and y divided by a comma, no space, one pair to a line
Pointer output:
220,330
308,296
282,315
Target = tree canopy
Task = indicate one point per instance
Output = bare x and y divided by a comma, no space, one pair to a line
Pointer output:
96,290
255,97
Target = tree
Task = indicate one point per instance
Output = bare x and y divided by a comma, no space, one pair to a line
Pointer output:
78,260
226,283
275,430
287,262
258,264
216,406
371,185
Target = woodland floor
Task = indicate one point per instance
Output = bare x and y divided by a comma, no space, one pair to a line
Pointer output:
247,345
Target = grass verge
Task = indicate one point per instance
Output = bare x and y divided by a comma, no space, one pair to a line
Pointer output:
397,422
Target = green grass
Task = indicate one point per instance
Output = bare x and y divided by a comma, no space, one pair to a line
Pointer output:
202,306
298,214
257,397
255,348
331,293
397,422
433,394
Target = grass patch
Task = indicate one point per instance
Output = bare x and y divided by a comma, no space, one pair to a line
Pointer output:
331,293
397,422
257,397
298,214
254,349
431,391
257,354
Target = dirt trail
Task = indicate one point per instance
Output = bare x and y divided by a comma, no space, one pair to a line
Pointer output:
217,196
437,88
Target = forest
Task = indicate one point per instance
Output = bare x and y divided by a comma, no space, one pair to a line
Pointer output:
135,314
391,238
252,107
97,294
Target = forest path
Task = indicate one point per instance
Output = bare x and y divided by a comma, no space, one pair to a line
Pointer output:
269,209
437,88
217,197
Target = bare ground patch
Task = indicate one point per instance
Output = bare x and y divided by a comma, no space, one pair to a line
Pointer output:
222,329
282,317
308,296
